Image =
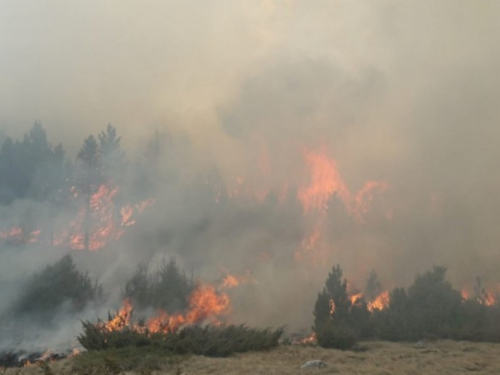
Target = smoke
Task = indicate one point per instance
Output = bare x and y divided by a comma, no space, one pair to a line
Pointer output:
404,93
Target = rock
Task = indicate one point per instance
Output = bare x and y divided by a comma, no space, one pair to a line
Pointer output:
313,364
420,345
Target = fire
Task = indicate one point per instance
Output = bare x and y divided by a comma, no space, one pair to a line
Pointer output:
361,203
354,298
232,281
105,227
74,353
332,306
46,356
379,303
122,318
205,305
19,235
326,181
311,339
465,294
482,296
104,224
313,248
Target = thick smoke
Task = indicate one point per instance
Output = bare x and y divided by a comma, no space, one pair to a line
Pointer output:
404,93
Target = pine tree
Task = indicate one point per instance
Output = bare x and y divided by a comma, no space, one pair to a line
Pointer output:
91,175
111,152
373,286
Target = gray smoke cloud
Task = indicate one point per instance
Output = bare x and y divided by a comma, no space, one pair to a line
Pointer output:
401,92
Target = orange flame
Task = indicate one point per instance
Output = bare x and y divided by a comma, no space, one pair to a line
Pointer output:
122,318
379,303
105,226
308,340
232,281
354,298
326,182
205,305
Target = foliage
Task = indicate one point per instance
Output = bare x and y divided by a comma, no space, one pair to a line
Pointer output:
111,153
337,321
31,168
373,286
337,336
167,288
212,341
48,289
430,308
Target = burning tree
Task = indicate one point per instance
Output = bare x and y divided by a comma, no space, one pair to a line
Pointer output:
339,319
90,179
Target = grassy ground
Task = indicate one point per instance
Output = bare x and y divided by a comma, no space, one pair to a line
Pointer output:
380,358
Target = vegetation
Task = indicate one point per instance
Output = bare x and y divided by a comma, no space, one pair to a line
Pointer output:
429,308
56,284
338,323
212,341
167,288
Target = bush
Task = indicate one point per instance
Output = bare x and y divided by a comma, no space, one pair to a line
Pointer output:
478,322
210,341
395,323
48,289
430,308
337,336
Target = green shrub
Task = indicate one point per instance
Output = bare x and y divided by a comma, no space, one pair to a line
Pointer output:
212,341
338,336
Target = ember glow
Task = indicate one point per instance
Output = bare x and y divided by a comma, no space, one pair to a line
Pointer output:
106,226
17,235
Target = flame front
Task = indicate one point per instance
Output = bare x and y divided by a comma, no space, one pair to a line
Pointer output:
104,223
205,305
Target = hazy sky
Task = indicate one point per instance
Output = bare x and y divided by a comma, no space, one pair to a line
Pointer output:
406,92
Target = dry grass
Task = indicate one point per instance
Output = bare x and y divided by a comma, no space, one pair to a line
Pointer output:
381,358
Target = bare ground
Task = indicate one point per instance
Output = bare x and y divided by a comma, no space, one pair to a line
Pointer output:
380,358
